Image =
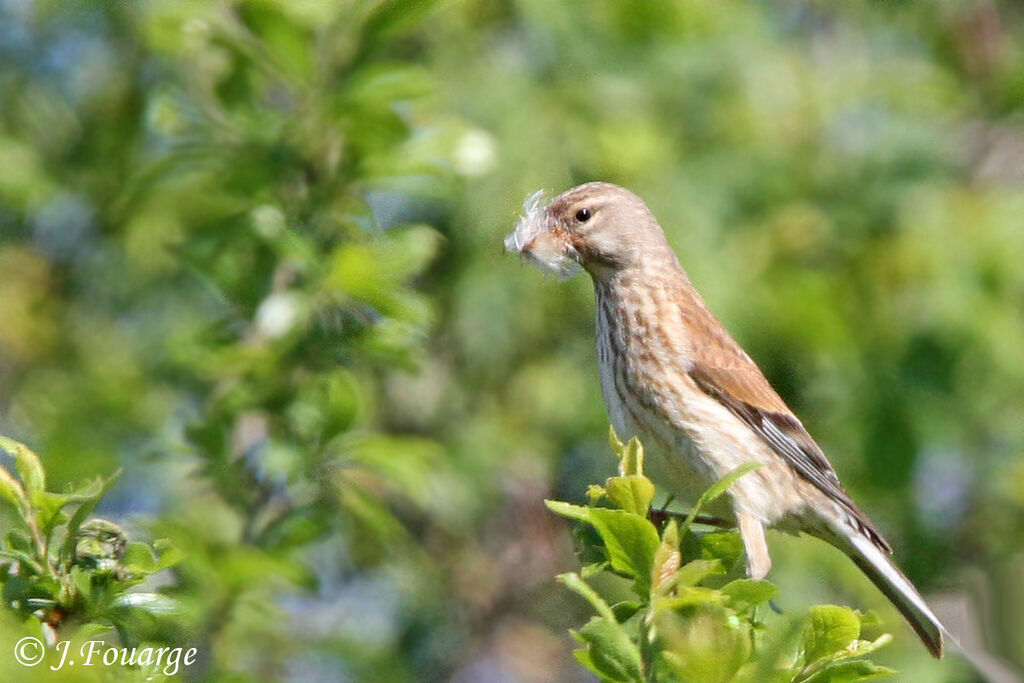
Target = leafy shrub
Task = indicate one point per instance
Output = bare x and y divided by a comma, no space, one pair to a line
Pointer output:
66,569
693,615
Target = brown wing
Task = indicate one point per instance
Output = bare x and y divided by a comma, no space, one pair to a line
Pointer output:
723,370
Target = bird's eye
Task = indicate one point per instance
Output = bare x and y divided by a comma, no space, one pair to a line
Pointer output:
583,215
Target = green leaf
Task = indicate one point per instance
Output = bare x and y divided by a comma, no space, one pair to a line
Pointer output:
325,405
17,589
88,490
29,466
81,579
864,647
847,671
363,274
726,546
626,609
390,16
27,561
750,591
615,442
371,514
589,547
383,84
19,540
829,629
632,493
154,603
857,648
632,463
779,650
583,656
630,541
48,506
595,493
695,571
871,625
688,596
569,510
374,271
631,455
612,651
168,554
707,645
11,490
406,463
577,585
138,558
295,527
718,488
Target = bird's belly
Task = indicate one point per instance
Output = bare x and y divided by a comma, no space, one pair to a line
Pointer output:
672,460
705,444
683,473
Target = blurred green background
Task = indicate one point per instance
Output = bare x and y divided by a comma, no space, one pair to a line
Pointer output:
251,252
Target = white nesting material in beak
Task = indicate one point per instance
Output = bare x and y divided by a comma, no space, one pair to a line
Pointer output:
537,240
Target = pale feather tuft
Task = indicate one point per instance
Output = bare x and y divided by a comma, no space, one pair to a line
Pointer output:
534,240
529,224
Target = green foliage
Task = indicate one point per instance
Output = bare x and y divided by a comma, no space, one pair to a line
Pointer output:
65,569
691,617
271,297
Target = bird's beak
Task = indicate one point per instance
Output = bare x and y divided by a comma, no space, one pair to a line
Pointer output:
539,239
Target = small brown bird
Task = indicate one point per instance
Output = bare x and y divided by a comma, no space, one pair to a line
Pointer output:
673,376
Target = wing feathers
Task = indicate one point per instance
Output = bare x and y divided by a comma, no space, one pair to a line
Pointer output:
724,371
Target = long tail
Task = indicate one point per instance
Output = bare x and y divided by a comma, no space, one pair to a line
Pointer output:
874,562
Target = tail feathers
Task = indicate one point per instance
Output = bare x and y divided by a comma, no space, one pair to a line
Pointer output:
875,563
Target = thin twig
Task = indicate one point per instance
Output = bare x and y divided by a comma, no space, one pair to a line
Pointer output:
660,517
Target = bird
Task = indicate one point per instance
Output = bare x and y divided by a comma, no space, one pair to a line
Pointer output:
674,377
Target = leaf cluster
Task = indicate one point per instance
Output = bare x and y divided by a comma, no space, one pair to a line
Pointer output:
692,616
60,566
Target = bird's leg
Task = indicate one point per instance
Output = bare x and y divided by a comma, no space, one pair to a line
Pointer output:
659,517
759,562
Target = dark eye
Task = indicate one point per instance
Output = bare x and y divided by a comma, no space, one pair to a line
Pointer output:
583,215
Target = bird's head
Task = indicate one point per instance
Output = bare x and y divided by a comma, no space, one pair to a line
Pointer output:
600,227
